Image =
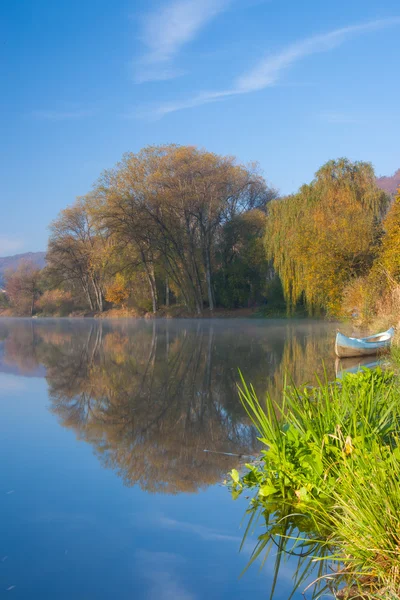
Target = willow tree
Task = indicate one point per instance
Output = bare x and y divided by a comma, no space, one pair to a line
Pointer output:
326,234
389,258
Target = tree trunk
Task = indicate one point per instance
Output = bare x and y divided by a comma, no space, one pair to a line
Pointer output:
209,282
198,306
152,285
100,301
153,297
99,295
166,291
88,294
172,273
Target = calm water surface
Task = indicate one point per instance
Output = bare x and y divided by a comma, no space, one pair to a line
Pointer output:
105,488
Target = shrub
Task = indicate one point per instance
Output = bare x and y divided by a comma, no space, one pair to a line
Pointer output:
56,302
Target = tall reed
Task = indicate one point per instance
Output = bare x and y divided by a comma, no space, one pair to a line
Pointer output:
328,477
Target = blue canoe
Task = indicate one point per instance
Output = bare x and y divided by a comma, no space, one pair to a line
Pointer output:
346,347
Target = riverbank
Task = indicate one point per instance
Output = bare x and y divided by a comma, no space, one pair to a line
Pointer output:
328,482
173,312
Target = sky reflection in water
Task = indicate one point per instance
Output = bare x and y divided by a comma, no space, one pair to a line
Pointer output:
106,490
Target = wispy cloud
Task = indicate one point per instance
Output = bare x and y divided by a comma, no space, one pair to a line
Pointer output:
208,534
10,244
61,115
167,30
162,570
268,71
204,533
9,384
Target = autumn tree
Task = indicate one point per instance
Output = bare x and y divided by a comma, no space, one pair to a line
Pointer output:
170,203
389,257
22,288
78,252
326,234
117,291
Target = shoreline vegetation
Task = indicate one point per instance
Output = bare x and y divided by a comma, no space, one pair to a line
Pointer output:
174,312
180,231
326,487
175,232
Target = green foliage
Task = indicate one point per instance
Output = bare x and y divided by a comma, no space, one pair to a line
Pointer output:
313,478
312,431
365,522
3,301
242,271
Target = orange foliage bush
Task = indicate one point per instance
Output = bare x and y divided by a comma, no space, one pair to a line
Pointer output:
117,291
57,302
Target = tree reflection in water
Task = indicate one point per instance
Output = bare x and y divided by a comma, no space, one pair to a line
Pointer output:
151,396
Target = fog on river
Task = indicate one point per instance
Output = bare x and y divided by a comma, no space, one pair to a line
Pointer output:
149,411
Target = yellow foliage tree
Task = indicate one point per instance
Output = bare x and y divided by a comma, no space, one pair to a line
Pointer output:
390,254
325,235
117,291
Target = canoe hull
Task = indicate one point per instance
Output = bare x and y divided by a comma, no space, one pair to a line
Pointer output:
347,352
347,347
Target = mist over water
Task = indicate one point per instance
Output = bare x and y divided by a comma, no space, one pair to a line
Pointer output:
106,489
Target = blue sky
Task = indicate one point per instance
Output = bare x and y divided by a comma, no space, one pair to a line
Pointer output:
287,83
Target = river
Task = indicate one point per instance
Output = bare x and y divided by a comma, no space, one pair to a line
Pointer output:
115,440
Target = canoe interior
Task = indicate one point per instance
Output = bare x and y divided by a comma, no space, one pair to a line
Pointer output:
383,337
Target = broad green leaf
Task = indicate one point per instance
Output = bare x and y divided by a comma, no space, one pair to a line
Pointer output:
235,475
267,490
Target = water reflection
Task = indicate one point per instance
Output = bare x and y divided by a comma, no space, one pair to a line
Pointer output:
151,396
286,536
353,365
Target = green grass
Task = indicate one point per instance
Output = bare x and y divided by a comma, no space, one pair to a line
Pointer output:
327,483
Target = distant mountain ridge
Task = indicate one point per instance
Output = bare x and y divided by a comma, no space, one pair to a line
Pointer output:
12,262
390,184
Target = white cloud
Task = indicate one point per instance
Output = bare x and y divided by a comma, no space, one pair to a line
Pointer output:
60,115
167,30
170,107
10,244
268,71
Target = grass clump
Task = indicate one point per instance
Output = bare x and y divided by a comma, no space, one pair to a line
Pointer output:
327,483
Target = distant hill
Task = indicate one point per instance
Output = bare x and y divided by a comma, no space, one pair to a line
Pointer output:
13,262
390,184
